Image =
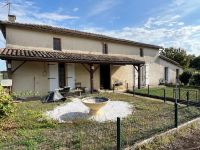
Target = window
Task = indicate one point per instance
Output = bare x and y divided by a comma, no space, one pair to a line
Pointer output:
166,73
56,44
105,48
141,52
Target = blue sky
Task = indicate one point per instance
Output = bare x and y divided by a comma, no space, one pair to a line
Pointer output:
162,22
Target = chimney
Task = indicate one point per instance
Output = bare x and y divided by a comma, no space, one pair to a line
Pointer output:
11,18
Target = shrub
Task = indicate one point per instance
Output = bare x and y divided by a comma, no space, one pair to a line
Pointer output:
185,77
195,80
6,103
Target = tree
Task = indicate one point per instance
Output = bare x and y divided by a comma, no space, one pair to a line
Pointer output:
195,80
177,54
196,63
185,77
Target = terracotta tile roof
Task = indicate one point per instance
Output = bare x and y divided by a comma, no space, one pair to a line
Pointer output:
50,56
51,29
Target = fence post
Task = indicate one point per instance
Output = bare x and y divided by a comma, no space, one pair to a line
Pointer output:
188,97
133,90
126,86
179,97
176,114
148,90
164,95
199,95
176,107
118,134
196,95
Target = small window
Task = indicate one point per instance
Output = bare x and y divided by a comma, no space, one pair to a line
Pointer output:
166,73
56,44
141,52
105,48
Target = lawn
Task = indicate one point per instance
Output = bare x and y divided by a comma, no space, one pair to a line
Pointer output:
170,92
186,137
28,128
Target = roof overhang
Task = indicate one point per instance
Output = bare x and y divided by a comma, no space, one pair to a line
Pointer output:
60,56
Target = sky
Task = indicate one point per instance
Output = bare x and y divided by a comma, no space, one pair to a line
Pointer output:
168,23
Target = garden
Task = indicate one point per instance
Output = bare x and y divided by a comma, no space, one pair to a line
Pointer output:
24,125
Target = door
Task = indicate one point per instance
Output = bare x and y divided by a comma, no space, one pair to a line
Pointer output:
71,75
61,73
53,76
105,76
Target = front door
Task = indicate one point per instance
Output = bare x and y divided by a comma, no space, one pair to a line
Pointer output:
61,73
105,76
53,76
71,75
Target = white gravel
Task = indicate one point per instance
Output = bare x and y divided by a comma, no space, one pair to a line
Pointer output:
76,109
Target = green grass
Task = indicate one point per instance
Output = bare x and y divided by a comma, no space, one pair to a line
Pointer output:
163,142
27,128
159,91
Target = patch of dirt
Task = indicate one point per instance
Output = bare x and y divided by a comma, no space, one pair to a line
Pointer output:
190,141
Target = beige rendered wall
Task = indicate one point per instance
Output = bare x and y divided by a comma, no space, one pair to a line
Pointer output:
23,78
83,76
157,69
123,74
21,38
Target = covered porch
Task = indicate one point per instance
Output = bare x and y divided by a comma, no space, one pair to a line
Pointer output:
80,66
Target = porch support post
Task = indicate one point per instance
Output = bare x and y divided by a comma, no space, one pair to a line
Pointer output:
91,78
139,74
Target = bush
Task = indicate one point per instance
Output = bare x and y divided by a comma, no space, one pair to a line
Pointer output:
6,103
195,80
185,77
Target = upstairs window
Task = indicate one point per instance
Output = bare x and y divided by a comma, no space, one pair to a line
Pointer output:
56,44
105,48
141,52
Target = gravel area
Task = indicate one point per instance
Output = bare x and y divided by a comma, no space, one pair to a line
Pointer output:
77,110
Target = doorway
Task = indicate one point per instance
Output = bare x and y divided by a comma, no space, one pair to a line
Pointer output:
61,73
104,76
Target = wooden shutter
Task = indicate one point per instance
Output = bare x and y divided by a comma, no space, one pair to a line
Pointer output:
56,44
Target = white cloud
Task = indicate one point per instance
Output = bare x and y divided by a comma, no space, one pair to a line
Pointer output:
29,12
54,16
102,6
76,9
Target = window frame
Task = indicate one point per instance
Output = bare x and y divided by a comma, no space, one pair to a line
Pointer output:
60,44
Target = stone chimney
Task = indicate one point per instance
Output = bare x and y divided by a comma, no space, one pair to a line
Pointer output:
11,18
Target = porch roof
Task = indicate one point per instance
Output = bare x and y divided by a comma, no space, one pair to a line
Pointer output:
60,56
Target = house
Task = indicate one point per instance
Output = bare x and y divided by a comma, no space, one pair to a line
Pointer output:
43,58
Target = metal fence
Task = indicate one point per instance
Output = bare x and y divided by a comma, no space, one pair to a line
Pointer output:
185,96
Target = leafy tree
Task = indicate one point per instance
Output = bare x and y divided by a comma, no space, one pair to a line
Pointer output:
195,80
177,54
185,77
195,63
